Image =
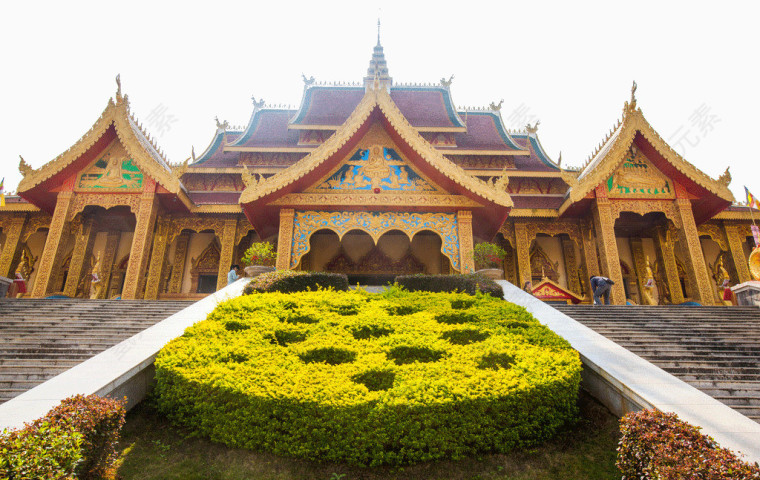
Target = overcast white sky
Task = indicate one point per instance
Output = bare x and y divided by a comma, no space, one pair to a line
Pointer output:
567,64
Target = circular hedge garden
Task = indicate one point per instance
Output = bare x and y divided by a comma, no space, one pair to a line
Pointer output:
370,379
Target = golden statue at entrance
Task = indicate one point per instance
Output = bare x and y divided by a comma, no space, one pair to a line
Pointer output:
649,286
96,284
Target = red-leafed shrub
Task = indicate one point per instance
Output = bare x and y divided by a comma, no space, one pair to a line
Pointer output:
76,439
659,446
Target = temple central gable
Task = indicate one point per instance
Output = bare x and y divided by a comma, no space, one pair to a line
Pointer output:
637,177
113,169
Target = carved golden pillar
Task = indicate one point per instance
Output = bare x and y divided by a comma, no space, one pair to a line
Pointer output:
285,238
640,266
140,251
178,270
227,239
571,265
109,256
85,237
157,260
590,260
736,250
50,253
522,248
666,248
608,251
695,260
12,245
464,225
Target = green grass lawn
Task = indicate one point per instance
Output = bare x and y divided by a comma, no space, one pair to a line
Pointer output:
152,448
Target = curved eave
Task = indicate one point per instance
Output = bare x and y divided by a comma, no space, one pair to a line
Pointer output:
448,103
307,98
500,128
213,146
342,136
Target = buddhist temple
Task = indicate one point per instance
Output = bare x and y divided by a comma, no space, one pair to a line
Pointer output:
373,179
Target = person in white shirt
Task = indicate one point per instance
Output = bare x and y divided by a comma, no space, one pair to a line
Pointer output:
232,275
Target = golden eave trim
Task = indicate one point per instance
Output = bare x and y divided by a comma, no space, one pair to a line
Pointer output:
376,200
19,207
271,149
235,170
419,129
482,152
534,212
734,215
216,209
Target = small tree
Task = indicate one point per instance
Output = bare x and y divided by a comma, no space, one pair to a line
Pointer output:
488,255
260,253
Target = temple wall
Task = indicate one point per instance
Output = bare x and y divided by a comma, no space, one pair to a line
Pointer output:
198,243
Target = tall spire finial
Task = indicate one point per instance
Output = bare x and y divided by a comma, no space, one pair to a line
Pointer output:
378,31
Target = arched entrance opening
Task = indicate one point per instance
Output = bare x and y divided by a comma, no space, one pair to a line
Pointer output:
369,263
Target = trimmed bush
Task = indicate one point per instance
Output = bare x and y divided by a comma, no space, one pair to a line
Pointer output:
41,450
657,445
374,387
290,281
470,284
78,437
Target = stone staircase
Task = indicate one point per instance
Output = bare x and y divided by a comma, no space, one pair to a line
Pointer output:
715,349
41,338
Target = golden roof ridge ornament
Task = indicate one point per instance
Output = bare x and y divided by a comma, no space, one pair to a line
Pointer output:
447,83
258,105
533,128
118,88
631,106
496,106
24,167
725,178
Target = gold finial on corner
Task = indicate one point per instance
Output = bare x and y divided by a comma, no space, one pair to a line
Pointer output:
248,178
533,128
559,160
118,86
24,167
307,81
222,125
257,105
496,106
725,179
192,152
631,106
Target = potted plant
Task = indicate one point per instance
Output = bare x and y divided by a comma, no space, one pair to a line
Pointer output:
260,258
489,260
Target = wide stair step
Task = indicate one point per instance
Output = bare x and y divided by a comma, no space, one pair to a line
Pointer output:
40,338
714,349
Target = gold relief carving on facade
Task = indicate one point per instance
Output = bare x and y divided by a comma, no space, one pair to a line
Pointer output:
244,227
371,199
13,230
375,224
178,266
195,224
693,250
113,170
285,239
270,159
138,255
375,169
105,200
642,207
522,248
53,242
227,239
734,240
466,247
219,182
637,177
33,224
715,233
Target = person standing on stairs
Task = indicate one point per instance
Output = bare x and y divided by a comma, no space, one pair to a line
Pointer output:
601,287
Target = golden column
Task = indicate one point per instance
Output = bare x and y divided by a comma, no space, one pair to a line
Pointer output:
571,265
12,245
464,226
608,251
285,238
735,248
227,239
666,248
106,262
178,270
80,257
590,261
522,248
692,249
157,260
50,252
140,251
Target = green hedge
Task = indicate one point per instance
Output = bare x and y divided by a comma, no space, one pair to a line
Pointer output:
370,379
76,439
657,445
290,281
470,284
